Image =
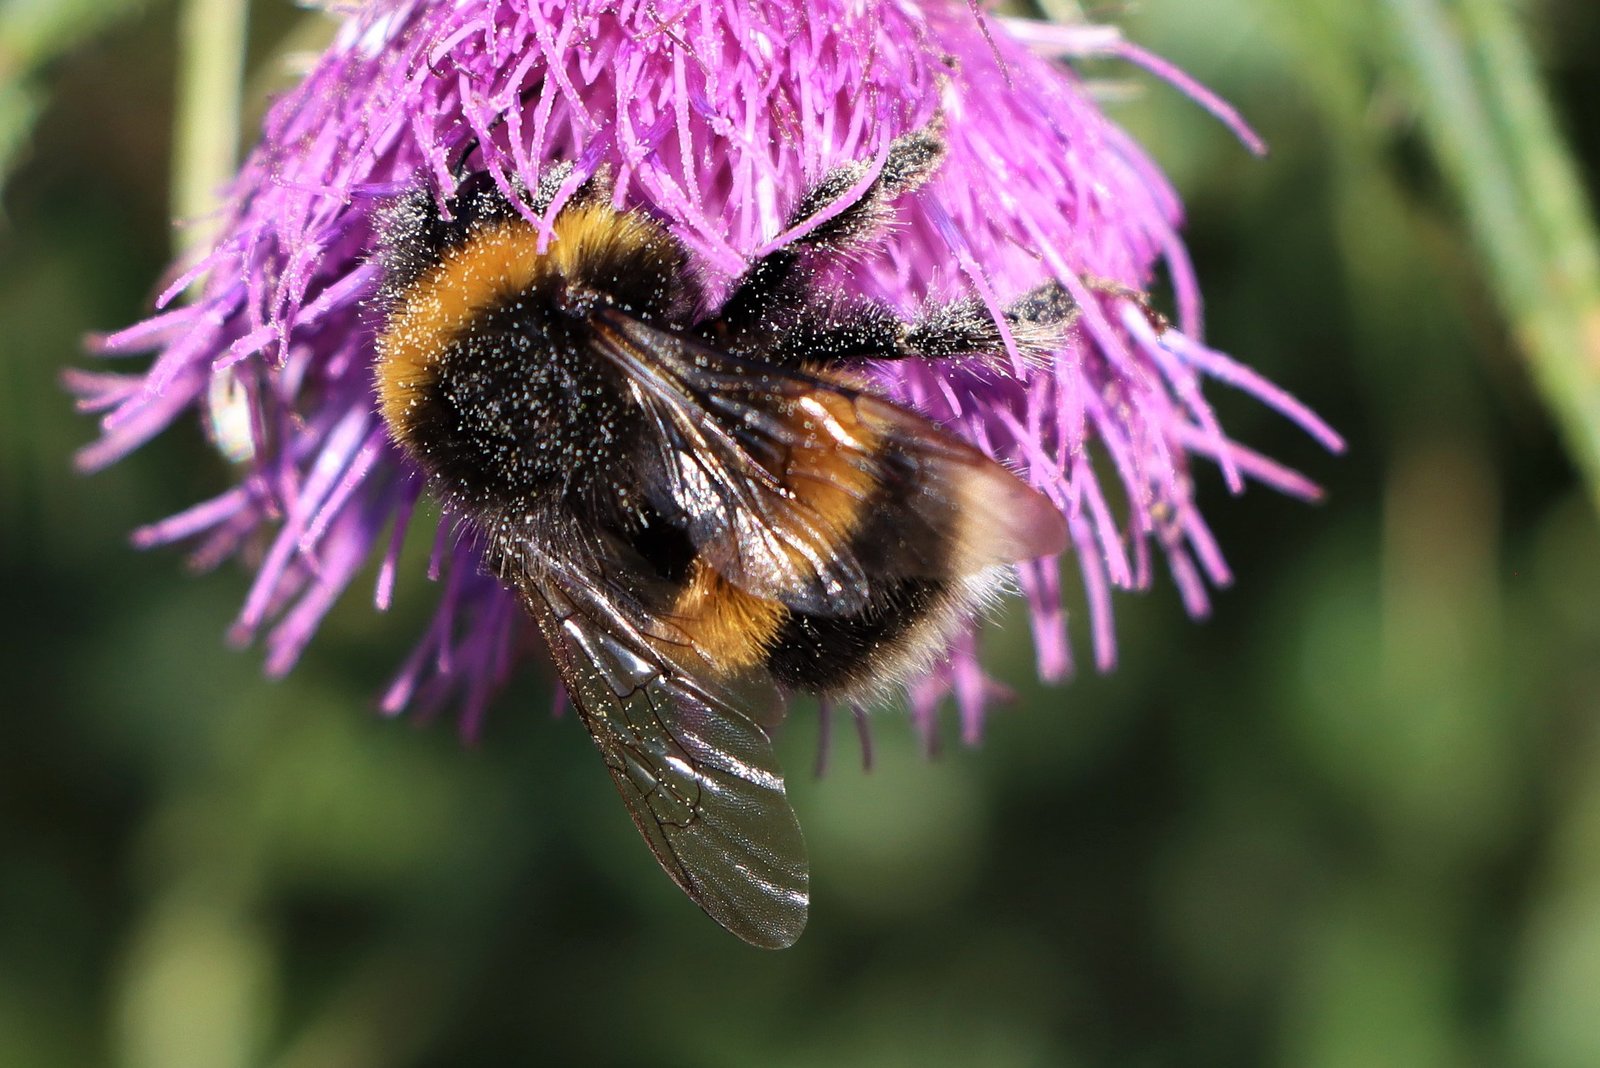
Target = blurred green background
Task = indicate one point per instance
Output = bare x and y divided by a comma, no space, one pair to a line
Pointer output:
1353,819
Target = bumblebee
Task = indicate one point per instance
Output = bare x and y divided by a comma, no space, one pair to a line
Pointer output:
703,509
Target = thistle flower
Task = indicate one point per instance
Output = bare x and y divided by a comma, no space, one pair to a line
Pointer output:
713,116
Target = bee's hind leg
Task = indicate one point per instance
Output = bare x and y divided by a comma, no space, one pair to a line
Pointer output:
1038,322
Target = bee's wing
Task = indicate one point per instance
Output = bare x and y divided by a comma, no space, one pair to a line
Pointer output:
725,454
769,471
696,771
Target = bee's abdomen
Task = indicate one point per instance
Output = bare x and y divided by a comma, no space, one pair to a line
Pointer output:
907,554
811,652
826,654
904,541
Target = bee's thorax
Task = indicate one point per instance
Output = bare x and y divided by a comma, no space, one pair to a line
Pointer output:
486,373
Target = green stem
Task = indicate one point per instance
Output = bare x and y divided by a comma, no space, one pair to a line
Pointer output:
211,41
1491,127
206,145
1554,191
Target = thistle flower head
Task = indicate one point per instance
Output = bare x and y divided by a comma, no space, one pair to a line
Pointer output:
713,116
